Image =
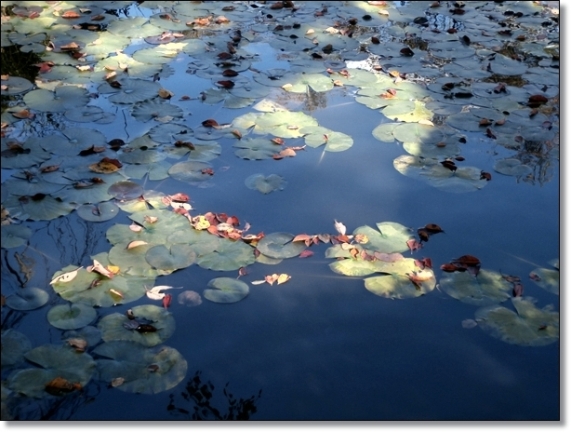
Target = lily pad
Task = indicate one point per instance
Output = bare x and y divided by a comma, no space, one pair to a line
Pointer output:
265,184
280,245
396,286
227,255
177,257
512,167
15,85
98,212
14,346
527,326
71,316
548,279
193,172
299,83
389,237
131,91
54,361
97,290
255,148
189,298
125,190
118,327
226,290
27,298
37,207
155,109
132,368
60,100
15,235
489,287
334,141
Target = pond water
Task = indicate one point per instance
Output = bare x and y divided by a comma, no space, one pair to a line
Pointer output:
351,335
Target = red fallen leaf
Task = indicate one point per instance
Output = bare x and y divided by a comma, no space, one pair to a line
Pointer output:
210,123
473,270
460,158
535,101
375,40
60,386
306,253
45,66
467,260
485,176
225,84
278,141
341,238
70,14
184,98
517,290
213,230
208,171
233,220
407,52
449,164
427,262
450,268
302,237
24,114
452,30
500,88
413,245
490,133
224,56
242,271
186,144
91,150
180,197
423,235
167,301
433,228
534,277
485,122
49,168
230,73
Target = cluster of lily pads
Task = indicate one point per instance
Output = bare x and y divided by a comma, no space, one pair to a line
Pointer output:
435,74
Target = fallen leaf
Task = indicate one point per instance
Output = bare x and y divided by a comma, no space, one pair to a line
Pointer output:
283,278
99,268
305,253
167,301
66,277
136,243
341,229
413,244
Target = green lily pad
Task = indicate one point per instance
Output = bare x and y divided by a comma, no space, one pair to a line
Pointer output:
23,156
139,369
489,287
389,237
226,290
15,235
89,114
464,179
15,85
27,298
98,212
193,172
157,170
396,286
503,65
14,346
203,151
54,361
407,111
151,200
60,100
90,334
417,133
125,190
71,316
512,167
548,279
280,245
227,255
131,91
265,184
155,109
255,148
527,326
177,257
37,207
118,327
334,141
299,83
94,289
384,132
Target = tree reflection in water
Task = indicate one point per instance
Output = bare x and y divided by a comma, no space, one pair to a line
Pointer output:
201,394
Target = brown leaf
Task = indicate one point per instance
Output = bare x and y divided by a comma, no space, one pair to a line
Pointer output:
70,14
423,235
467,260
536,100
485,176
490,133
449,164
407,52
60,386
210,123
433,228
485,122
306,253
225,84
413,244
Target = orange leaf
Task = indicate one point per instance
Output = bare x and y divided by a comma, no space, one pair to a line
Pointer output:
306,253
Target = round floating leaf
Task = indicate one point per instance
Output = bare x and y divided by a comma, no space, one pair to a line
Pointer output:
140,370
131,91
384,132
407,111
280,245
23,156
14,346
228,255
98,212
417,133
528,326
118,327
133,260
548,279
464,179
155,171
90,114
299,83
283,124
389,237
60,100
56,361
226,290
334,141
192,172
96,290
15,235
512,167
502,65
489,287
255,148
37,207
177,257
71,316
153,109
125,190
89,334
189,298
396,286
15,85
85,192
27,298
264,184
